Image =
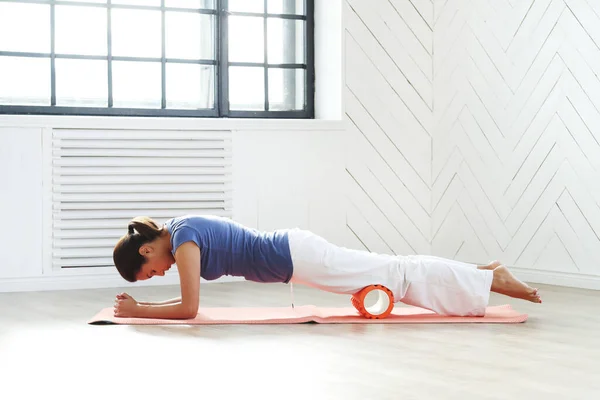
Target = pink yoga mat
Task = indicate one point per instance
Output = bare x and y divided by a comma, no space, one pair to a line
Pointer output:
286,315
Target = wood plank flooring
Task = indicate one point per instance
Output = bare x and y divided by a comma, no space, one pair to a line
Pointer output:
47,349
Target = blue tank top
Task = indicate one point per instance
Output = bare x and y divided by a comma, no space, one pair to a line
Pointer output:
229,248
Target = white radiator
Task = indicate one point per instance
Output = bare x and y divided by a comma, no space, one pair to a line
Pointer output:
103,178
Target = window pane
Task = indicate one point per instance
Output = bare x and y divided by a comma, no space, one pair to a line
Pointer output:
246,88
285,7
246,39
80,30
25,27
189,35
136,33
257,6
82,83
25,81
152,3
286,89
136,84
191,3
285,39
190,86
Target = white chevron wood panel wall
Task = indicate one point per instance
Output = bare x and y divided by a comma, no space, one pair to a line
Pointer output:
474,132
516,136
389,102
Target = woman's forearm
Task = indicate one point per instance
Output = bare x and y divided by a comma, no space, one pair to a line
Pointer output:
166,311
160,303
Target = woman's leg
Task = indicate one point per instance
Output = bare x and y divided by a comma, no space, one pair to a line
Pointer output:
450,287
492,265
325,266
442,285
504,281
507,284
445,286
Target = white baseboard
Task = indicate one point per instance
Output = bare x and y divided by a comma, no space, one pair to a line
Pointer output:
73,282
580,281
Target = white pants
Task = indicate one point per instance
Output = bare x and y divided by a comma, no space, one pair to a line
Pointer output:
444,286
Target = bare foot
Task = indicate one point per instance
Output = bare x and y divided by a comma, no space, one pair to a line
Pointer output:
491,266
506,283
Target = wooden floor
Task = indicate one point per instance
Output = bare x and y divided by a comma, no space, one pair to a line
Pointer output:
46,348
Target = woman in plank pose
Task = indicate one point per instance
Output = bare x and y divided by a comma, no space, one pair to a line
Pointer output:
211,247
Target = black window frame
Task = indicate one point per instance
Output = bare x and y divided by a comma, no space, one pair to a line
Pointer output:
221,91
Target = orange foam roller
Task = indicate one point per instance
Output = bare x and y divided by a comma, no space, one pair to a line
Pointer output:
378,311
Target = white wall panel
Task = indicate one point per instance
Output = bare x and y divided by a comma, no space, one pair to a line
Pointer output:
516,143
21,202
389,103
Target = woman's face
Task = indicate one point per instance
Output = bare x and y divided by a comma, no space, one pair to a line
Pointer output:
158,261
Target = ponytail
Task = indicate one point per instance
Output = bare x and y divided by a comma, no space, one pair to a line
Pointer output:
144,226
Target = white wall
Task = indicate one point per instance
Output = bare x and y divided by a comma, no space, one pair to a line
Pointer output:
282,177
470,131
20,202
516,140
389,100
290,179
474,132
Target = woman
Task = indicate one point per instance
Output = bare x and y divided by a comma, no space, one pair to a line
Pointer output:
210,247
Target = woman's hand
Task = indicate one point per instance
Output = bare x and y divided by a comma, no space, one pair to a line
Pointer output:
124,296
125,306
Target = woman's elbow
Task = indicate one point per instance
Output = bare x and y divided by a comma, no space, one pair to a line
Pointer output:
190,311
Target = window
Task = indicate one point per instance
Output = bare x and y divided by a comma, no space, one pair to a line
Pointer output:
198,58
